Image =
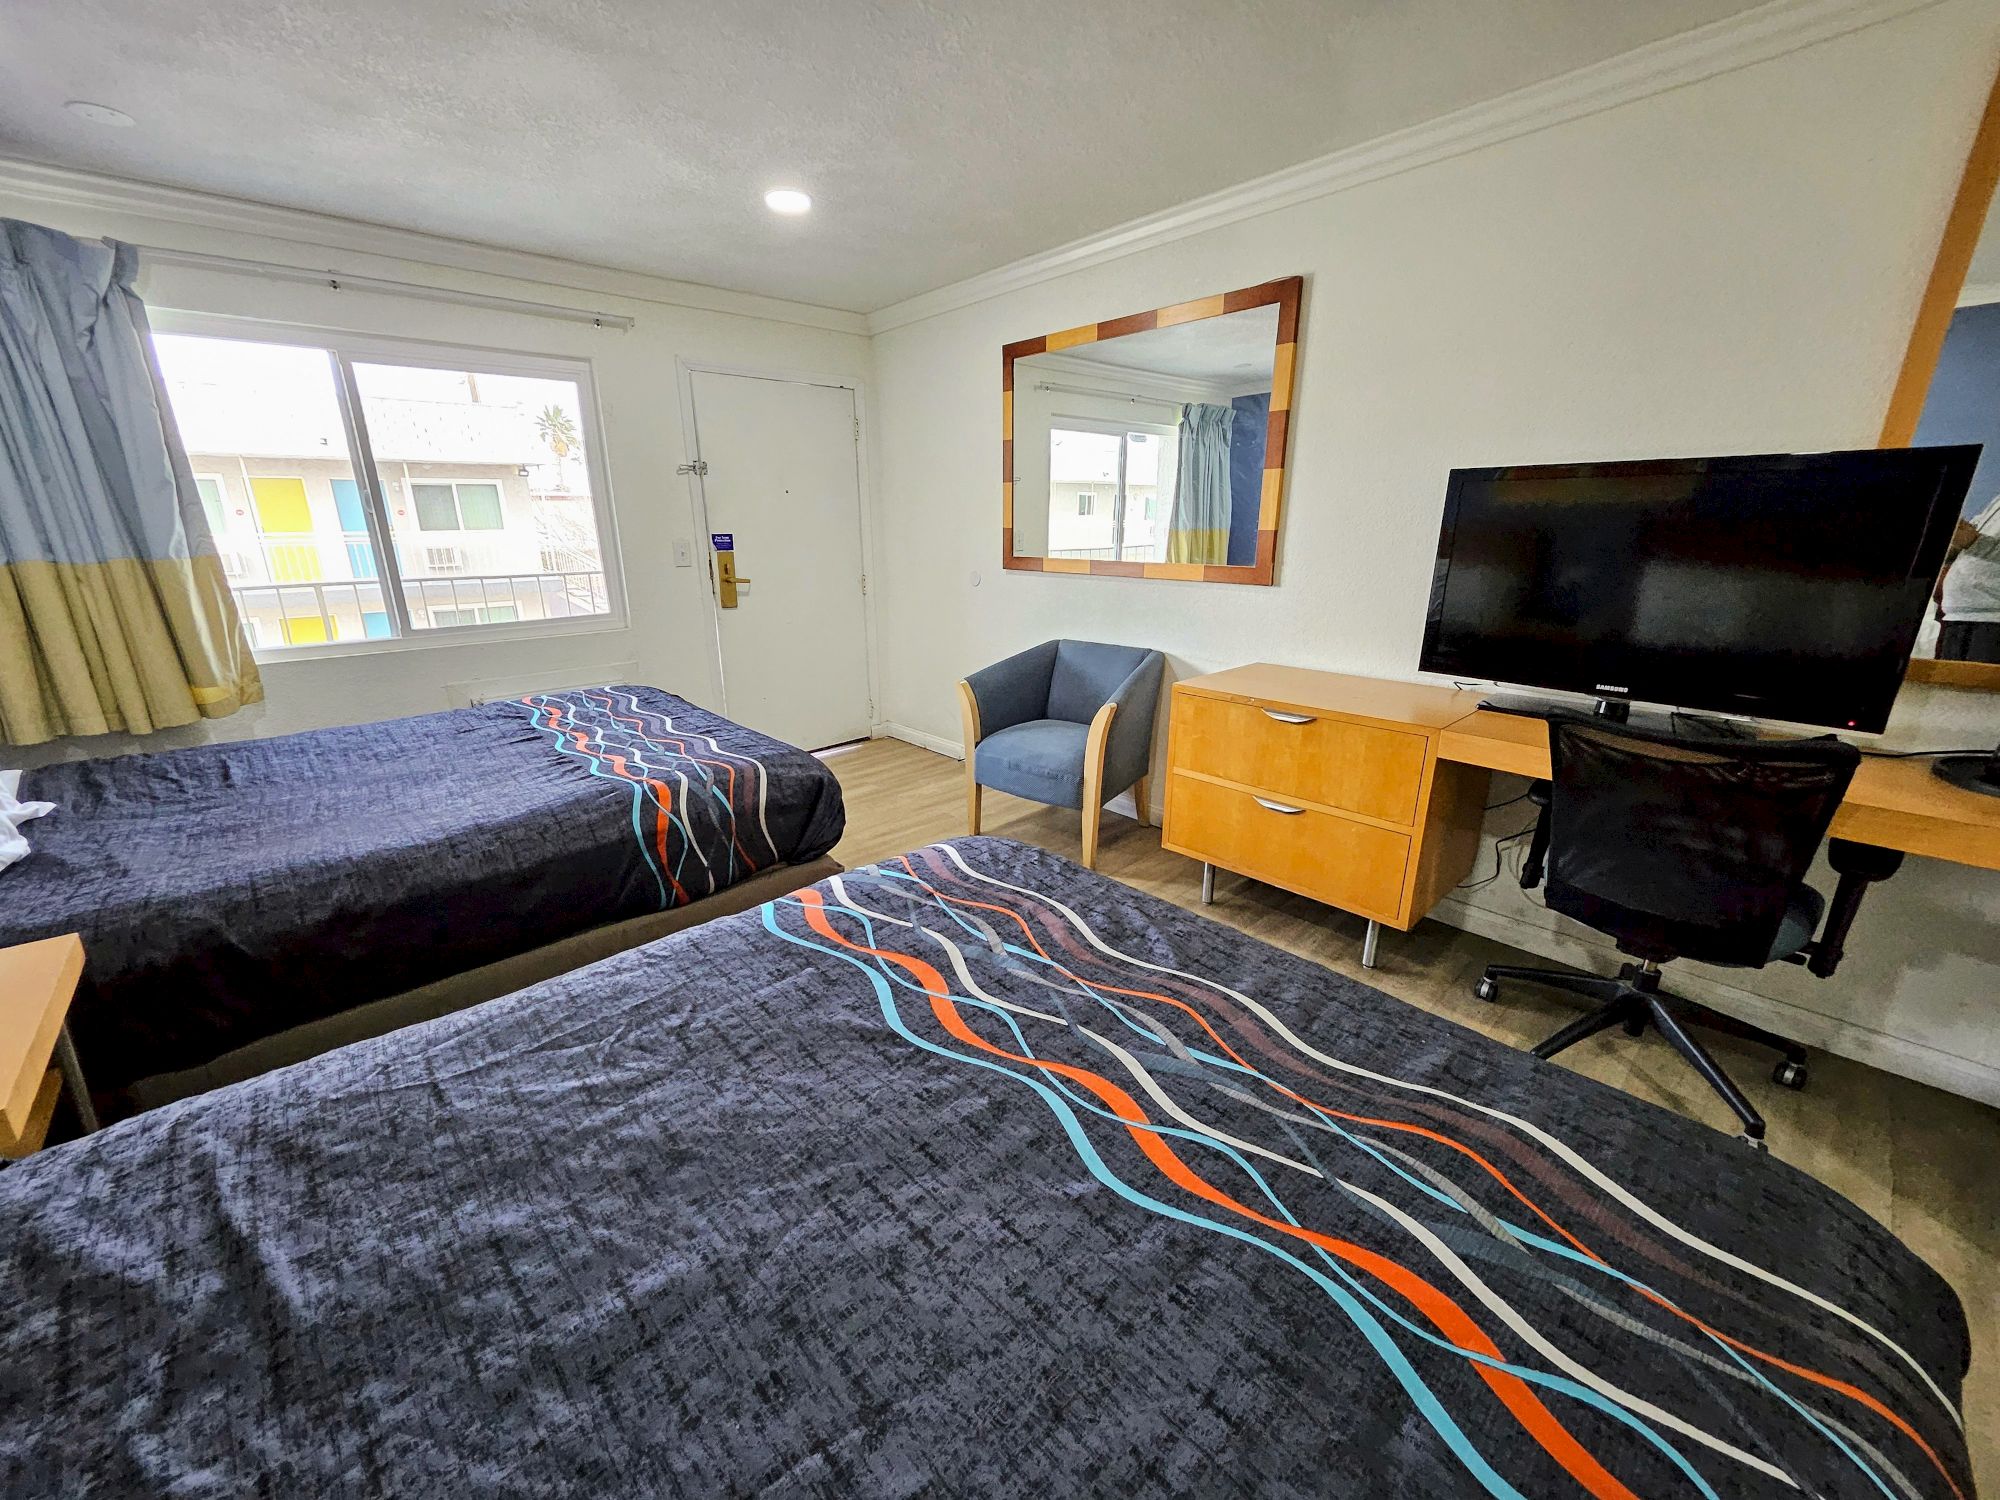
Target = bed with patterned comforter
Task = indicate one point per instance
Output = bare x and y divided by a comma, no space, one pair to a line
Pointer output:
969,1173
228,892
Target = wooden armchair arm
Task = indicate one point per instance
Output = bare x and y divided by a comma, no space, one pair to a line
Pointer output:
968,718
1094,745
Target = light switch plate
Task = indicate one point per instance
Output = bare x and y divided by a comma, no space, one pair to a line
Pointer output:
683,553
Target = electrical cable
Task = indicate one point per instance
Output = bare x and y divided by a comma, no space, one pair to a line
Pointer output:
1499,857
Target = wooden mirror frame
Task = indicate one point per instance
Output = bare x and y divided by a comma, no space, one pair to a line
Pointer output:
1285,295
1920,361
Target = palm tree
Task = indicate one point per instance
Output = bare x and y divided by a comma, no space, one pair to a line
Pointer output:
558,430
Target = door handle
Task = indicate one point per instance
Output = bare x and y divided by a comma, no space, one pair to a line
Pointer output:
727,579
1278,807
1284,718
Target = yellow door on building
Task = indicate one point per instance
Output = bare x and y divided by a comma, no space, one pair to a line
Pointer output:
282,510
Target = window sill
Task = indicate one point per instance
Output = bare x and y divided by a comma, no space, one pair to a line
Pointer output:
440,639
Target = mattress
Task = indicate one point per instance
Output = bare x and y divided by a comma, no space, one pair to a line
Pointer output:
969,1172
229,892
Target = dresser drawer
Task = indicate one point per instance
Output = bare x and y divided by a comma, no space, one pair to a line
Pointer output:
1355,767
1355,866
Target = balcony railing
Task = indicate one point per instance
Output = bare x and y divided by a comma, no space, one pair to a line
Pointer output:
303,557
311,612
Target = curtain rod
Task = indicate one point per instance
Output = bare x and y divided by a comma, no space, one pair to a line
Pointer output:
1084,390
338,281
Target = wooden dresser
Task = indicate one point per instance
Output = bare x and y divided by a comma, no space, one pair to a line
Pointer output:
1327,785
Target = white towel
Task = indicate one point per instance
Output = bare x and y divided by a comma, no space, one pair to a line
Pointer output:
13,813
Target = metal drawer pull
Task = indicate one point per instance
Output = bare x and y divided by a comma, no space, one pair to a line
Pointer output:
1276,806
1283,718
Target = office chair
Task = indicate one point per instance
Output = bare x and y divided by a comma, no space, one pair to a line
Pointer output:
1686,848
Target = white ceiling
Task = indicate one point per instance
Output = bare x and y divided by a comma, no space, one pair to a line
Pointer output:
940,140
1233,348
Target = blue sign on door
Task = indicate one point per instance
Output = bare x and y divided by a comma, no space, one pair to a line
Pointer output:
722,541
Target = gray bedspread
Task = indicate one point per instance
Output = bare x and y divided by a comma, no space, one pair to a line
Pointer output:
970,1173
228,892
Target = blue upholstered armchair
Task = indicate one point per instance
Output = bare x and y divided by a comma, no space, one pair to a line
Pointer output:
1069,723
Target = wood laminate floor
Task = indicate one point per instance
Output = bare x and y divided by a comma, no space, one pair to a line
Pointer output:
1923,1162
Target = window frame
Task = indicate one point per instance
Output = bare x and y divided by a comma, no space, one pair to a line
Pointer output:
349,349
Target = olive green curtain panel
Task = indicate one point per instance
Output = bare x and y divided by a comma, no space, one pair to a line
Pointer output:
114,612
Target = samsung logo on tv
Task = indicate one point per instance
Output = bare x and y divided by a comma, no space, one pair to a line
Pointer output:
1610,687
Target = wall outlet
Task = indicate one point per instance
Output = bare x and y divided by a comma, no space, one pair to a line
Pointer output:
683,553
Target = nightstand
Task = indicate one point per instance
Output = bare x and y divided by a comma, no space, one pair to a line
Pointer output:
37,982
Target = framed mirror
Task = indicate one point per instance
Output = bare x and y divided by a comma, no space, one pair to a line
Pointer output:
1152,445
1949,392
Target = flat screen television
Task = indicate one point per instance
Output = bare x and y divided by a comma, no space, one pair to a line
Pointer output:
1780,586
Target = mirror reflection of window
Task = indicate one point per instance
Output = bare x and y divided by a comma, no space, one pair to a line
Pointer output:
1104,489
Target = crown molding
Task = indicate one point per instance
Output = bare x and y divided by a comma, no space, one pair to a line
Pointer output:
172,205
1753,36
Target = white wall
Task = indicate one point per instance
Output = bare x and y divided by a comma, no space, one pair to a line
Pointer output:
1733,265
668,639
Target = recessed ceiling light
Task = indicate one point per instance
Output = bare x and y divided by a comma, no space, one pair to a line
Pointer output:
787,201
98,114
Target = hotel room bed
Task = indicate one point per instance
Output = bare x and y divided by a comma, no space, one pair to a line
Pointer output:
245,904
966,1173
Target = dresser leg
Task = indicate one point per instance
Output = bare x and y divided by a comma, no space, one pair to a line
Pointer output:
72,1072
1368,945
1207,884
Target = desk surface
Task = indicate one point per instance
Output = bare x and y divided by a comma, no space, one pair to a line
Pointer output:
1892,804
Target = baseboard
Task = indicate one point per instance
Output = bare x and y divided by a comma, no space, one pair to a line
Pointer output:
888,730
1879,1049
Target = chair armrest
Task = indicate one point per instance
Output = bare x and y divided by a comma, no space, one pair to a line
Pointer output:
1013,691
968,717
1859,866
1129,751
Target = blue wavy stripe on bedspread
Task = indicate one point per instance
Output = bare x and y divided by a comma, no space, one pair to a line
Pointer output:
969,1173
228,892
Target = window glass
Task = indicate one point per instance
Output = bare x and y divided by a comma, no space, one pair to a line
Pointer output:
347,503
437,510
479,507
210,490
268,417
485,490
487,482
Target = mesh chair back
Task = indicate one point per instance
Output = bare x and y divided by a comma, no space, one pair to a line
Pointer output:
1682,847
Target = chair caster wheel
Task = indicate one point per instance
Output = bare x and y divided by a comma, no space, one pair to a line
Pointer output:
1486,989
1789,1074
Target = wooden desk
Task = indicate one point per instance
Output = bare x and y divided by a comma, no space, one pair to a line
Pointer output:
37,982
1368,794
1891,804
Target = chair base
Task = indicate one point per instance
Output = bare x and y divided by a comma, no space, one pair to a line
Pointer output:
1634,1000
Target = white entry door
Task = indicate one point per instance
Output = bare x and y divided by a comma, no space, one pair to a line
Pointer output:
781,479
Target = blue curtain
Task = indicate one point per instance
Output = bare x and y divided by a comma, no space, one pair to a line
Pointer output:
1199,532
114,612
